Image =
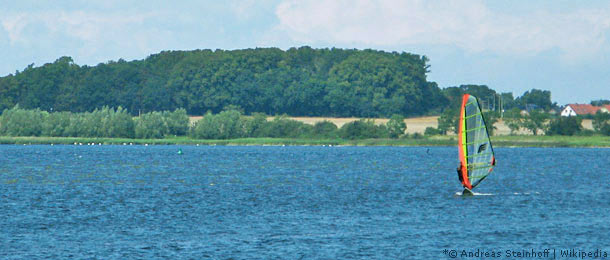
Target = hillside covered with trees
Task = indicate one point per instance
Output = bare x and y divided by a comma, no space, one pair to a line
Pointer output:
298,82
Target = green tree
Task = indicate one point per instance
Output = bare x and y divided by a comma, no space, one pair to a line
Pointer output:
151,125
363,129
539,98
396,126
600,119
605,130
431,131
207,127
255,125
600,102
76,127
454,97
281,126
225,125
535,121
565,126
448,121
177,122
514,124
230,124
56,124
118,123
325,129
22,122
513,120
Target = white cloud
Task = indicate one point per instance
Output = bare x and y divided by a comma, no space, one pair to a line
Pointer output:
13,25
467,24
85,26
88,36
243,9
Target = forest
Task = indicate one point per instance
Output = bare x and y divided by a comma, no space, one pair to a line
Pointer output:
237,89
303,81
297,82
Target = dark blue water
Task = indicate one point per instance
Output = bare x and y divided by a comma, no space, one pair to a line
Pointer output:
213,202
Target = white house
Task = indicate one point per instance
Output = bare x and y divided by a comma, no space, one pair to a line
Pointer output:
568,111
582,109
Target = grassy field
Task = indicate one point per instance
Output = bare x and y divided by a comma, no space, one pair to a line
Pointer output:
498,141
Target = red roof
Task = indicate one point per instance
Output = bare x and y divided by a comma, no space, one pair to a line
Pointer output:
584,109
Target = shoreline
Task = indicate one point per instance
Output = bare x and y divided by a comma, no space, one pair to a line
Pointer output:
498,141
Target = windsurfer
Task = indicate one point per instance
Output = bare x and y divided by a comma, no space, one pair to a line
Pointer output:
459,173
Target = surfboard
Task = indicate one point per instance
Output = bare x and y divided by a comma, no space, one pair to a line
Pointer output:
467,192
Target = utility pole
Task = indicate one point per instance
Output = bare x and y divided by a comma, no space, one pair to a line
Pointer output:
501,108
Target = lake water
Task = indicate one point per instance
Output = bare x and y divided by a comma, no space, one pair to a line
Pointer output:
223,202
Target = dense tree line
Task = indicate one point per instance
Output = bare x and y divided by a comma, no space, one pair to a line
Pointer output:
104,122
600,102
489,99
232,124
229,124
299,82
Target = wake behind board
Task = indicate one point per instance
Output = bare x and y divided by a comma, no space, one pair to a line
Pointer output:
467,193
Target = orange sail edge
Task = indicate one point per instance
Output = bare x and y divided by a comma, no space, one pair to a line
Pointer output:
462,153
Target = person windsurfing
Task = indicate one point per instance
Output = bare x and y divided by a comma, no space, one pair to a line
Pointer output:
459,173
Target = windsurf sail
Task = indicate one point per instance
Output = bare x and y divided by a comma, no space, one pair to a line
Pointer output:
475,150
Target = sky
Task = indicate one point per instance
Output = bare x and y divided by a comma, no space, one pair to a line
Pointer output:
511,46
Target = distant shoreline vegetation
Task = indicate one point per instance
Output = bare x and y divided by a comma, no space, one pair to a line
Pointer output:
116,126
230,124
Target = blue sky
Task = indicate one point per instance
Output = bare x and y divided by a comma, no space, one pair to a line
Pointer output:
511,46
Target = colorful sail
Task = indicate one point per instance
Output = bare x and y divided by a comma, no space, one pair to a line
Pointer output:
475,150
